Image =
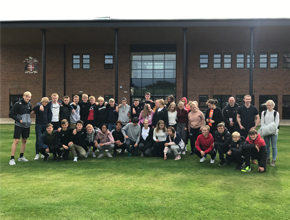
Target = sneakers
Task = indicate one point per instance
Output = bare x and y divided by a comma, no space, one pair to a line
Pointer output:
46,158
36,157
101,155
177,157
42,156
268,160
273,163
109,154
142,154
222,163
94,155
247,169
87,154
183,152
202,160
191,153
211,161
23,159
12,162
129,154
75,159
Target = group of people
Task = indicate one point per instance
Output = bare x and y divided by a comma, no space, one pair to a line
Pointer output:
152,128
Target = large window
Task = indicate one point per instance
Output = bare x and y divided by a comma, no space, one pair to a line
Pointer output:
108,61
222,100
248,61
76,61
286,60
240,60
203,61
286,107
227,61
86,61
217,61
240,100
153,72
274,60
202,103
263,60
13,99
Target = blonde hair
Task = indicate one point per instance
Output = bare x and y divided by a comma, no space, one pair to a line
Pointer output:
84,95
236,134
44,99
161,101
101,98
193,103
89,126
180,103
92,97
76,96
270,101
145,112
247,96
171,104
205,126
158,126
111,100
27,93
54,94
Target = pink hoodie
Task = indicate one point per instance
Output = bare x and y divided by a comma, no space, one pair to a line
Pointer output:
106,138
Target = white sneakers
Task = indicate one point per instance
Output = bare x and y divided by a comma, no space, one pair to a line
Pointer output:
42,156
12,162
36,157
75,159
109,154
211,161
101,155
87,154
202,159
23,159
94,155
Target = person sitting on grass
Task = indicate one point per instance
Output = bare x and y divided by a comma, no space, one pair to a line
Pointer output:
119,138
48,143
77,143
204,145
133,131
255,147
222,140
235,154
89,142
173,143
64,137
146,140
104,140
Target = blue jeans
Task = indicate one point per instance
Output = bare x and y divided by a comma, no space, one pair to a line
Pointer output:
273,139
39,130
111,127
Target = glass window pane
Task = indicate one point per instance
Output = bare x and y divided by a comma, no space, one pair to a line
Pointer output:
170,64
76,66
240,65
147,73
136,56
158,64
169,91
263,55
158,56
170,56
136,83
203,56
85,56
273,65
169,82
146,83
263,60
272,60
158,73
203,65
86,61
76,60
274,55
108,61
216,65
136,65
240,55
136,74
76,56
263,65
147,56
170,73
147,64
227,65
217,56
86,66
203,60
108,56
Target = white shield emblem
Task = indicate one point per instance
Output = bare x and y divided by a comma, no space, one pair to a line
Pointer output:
31,65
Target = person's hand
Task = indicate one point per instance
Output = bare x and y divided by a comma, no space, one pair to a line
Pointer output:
212,144
74,132
253,127
120,105
96,144
97,103
135,145
211,121
20,121
231,124
73,111
70,143
128,114
166,144
229,152
47,150
74,104
126,136
134,112
261,169
102,144
65,147
207,120
257,148
202,153
59,129
157,140
242,127
108,132
41,108
185,128
117,142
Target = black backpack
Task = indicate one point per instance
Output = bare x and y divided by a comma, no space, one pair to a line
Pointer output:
275,113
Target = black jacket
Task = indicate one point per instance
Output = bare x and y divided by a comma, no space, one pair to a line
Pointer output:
65,112
64,137
84,112
148,142
112,114
237,147
222,140
217,117
138,109
79,138
102,113
161,115
21,111
231,112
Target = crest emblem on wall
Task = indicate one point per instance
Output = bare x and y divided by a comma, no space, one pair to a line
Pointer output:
31,65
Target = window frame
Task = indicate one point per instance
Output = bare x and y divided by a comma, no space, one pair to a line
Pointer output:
220,63
84,54
249,54
76,54
274,62
207,64
108,65
240,53
224,63
263,53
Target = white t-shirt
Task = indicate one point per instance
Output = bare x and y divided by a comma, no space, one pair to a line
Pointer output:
55,112
145,133
172,116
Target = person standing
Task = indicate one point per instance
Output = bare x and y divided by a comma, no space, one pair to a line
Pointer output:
102,112
113,110
65,109
148,101
124,112
93,112
136,108
146,113
213,115
84,108
229,114
161,113
75,116
20,112
182,122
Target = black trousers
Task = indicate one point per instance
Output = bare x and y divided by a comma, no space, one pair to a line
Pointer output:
123,147
158,149
55,150
90,144
145,148
193,134
235,158
211,153
222,151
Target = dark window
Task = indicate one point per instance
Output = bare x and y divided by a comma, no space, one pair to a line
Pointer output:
227,61
80,97
240,60
217,61
240,100
274,60
222,100
286,107
76,61
248,61
108,97
203,61
202,103
108,61
286,60
263,60
264,98
86,61
13,99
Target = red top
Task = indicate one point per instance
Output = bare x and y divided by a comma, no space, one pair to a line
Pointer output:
91,114
259,141
204,144
182,116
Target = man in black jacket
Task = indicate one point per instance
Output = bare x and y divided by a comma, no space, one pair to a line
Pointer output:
222,140
65,109
20,112
235,154
229,113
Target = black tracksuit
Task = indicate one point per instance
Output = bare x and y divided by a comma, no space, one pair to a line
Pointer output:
112,114
231,112
217,117
145,146
50,141
222,142
65,112
84,111
138,110
102,115
160,115
64,137
237,152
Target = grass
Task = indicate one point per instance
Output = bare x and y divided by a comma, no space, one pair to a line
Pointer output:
140,188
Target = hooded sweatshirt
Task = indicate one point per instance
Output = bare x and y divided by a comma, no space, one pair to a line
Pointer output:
185,104
106,138
21,111
65,112
250,144
204,144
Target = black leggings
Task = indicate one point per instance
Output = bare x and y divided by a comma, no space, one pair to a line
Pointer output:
193,134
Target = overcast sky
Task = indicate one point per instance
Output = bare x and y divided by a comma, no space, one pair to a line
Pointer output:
148,9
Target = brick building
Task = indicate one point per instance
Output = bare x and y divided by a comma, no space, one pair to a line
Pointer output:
200,59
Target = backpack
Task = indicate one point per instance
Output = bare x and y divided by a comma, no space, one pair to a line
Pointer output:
275,113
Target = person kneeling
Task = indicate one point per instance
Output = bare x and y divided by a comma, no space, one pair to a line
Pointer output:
255,147
222,140
119,138
204,145
104,140
146,139
133,136
173,143
77,143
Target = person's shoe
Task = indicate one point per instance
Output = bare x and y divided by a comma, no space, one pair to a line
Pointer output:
202,160
75,159
23,159
178,157
101,155
46,158
254,162
142,154
87,154
268,160
273,163
191,153
55,158
222,163
239,167
211,161
246,169
36,157
42,156
109,154
12,162
129,154
183,152
94,155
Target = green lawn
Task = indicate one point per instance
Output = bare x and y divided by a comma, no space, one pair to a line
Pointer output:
141,188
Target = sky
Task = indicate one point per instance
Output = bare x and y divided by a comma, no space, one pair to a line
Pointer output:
150,9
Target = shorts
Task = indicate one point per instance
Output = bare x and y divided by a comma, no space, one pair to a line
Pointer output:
21,131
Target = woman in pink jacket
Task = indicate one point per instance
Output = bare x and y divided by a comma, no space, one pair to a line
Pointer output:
104,140
146,113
